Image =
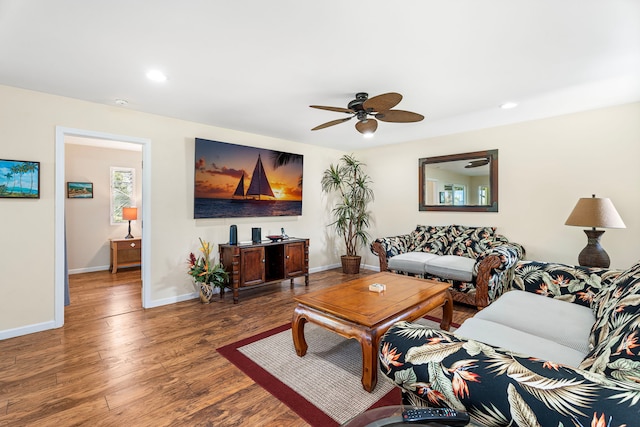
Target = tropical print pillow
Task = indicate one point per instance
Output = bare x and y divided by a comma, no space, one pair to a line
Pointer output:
430,238
570,283
615,336
393,245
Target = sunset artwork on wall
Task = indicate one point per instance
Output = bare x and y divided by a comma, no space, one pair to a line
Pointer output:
233,180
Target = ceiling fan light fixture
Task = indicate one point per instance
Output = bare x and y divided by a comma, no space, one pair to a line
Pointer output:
367,110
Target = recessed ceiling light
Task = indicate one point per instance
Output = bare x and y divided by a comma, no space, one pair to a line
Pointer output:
368,134
156,76
121,101
509,105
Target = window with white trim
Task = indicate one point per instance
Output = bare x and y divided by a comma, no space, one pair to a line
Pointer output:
123,182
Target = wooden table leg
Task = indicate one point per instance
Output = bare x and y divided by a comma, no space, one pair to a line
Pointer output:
297,330
369,361
114,259
447,312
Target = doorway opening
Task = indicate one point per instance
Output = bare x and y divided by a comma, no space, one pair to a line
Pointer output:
66,136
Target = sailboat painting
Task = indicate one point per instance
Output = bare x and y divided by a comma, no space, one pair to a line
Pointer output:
233,180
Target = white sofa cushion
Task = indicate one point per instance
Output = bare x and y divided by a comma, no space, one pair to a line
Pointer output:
516,341
410,262
555,320
451,267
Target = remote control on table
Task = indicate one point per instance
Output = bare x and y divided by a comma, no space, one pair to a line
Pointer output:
446,416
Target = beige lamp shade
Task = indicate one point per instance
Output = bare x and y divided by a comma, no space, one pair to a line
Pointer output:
129,214
595,212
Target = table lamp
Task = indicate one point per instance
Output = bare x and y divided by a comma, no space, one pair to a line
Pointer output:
129,214
594,212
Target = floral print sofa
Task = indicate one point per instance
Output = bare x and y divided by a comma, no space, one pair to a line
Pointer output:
488,258
499,387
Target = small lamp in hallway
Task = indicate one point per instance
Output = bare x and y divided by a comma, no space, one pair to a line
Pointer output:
594,212
129,214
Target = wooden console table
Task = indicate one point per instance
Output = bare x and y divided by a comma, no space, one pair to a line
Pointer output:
265,263
125,253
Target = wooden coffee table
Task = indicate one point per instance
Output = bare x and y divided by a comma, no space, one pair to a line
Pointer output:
350,309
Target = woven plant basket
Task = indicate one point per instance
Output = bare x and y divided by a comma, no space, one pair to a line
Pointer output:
350,264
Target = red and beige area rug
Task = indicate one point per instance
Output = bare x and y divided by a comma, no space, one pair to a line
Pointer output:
323,387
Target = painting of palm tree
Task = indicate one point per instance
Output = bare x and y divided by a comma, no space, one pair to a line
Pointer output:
19,179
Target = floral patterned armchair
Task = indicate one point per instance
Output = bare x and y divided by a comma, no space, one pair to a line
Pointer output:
501,388
495,257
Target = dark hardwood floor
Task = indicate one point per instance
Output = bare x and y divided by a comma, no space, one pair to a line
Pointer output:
116,364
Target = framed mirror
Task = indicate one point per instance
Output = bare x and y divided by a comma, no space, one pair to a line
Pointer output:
466,182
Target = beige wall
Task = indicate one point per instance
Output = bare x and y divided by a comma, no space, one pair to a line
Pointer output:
27,132
88,223
544,167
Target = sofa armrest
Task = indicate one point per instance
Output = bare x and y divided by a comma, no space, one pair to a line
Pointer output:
386,247
494,271
500,388
570,283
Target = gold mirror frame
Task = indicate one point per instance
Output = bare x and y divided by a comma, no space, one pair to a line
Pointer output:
443,161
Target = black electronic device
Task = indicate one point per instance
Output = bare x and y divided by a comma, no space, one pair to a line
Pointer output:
233,235
256,235
444,416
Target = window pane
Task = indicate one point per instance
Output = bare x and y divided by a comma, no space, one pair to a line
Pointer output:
122,191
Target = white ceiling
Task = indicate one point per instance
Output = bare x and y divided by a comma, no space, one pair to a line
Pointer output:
256,65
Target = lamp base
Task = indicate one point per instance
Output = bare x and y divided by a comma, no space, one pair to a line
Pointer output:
593,255
129,236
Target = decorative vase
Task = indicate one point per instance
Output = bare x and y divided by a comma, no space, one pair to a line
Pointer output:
206,292
350,264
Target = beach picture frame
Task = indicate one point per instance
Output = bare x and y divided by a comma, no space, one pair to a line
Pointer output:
80,190
232,180
19,179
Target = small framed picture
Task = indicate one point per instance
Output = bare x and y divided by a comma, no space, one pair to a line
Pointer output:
19,179
80,190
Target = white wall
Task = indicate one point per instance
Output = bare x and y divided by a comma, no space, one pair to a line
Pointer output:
27,132
545,166
89,226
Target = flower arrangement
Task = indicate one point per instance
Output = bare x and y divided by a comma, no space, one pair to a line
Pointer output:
206,274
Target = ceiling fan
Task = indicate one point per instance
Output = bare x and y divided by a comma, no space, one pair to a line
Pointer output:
367,110
477,163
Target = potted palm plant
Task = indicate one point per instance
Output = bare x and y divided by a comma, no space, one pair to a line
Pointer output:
351,218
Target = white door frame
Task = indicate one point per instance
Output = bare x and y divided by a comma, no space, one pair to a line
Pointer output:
60,193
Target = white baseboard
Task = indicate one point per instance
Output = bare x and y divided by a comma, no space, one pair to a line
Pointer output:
372,267
39,327
323,268
194,295
88,269
332,266
173,300
311,270
24,330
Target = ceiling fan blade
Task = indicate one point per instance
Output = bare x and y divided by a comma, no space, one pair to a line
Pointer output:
383,102
368,126
338,109
332,123
399,116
